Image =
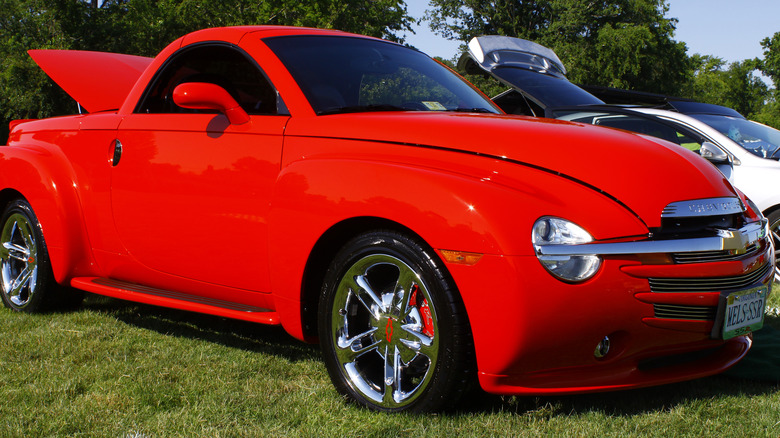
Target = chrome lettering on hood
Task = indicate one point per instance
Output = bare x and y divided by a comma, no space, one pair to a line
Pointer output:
703,207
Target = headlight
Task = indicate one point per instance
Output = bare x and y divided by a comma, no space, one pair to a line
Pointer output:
555,231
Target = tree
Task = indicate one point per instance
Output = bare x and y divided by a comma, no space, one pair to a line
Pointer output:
144,27
770,66
736,87
620,43
708,84
745,92
25,91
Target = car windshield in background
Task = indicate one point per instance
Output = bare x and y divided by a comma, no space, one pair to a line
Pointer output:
547,90
758,139
345,74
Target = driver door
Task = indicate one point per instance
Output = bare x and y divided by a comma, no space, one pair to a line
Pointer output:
190,191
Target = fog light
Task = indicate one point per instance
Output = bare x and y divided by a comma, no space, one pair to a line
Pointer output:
602,349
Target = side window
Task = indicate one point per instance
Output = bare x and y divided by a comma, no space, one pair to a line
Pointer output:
689,142
513,102
640,125
222,65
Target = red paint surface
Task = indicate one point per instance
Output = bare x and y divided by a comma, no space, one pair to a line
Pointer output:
233,211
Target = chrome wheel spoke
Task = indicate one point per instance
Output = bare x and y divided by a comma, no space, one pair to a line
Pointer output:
20,281
366,291
349,349
407,280
415,344
415,339
392,393
17,252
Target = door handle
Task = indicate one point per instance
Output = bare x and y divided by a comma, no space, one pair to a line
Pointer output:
117,153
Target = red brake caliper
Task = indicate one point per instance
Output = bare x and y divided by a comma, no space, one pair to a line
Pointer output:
425,311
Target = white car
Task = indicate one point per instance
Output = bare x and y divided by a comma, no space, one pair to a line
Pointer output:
746,152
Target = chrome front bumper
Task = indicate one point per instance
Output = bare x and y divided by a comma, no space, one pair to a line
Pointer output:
736,240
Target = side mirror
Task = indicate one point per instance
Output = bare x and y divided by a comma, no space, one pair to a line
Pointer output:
718,157
203,95
713,153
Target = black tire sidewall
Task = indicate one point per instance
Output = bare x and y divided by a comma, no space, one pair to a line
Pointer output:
773,217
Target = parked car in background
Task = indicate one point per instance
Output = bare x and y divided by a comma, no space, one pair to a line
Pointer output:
363,196
746,152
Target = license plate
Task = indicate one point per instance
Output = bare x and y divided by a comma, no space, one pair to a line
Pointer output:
744,312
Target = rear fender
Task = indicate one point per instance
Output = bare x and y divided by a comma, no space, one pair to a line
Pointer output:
43,177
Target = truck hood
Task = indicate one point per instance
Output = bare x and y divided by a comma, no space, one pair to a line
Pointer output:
645,174
102,80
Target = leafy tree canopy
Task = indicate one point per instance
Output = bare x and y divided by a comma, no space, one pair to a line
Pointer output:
736,86
770,66
619,43
144,27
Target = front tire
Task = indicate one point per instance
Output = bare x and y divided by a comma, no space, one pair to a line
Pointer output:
393,330
27,279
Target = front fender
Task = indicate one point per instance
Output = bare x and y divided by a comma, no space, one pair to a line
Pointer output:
464,210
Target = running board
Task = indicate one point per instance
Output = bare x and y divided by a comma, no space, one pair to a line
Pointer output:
176,300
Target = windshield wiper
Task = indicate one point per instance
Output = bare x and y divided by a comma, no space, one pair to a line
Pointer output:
471,110
363,109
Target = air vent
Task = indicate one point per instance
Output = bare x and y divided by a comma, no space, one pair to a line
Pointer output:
696,313
713,256
708,284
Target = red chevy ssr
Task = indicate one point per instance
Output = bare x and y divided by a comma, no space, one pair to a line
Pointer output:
363,196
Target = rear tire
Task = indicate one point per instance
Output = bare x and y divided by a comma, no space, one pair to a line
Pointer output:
28,284
393,331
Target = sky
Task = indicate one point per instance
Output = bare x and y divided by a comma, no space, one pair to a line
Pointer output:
729,29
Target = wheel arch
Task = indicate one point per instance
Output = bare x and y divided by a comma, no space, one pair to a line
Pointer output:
7,196
323,252
44,179
771,210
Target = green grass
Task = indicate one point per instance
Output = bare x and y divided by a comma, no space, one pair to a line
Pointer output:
117,369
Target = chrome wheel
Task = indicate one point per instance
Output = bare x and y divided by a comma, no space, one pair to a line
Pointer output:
774,228
392,327
384,329
19,259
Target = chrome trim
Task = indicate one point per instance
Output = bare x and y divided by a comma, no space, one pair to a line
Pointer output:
731,239
714,256
703,207
19,261
708,284
674,311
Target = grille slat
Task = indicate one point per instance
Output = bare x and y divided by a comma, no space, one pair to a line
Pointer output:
697,313
712,256
710,284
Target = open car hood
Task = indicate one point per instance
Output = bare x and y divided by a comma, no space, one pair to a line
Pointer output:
98,81
529,68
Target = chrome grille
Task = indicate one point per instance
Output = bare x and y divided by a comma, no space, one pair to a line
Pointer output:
673,311
709,284
712,256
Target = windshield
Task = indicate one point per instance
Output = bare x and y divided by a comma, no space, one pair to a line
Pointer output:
758,139
348,74
546,90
